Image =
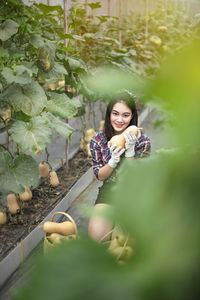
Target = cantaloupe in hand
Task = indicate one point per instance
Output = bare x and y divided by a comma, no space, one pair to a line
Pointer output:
119,139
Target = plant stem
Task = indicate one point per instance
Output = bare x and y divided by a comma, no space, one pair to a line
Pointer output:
5,148
47,153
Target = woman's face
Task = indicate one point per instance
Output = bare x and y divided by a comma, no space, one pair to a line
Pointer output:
120,117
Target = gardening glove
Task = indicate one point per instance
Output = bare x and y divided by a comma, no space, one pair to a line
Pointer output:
131,140
115,155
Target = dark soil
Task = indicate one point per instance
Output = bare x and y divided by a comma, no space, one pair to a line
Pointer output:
45,198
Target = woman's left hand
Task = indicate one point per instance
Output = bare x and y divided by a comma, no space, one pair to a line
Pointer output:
130,144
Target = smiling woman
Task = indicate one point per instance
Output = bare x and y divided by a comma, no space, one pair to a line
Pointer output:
121,113
121,122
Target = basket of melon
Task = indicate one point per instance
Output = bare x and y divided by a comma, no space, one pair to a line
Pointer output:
109,233
57,233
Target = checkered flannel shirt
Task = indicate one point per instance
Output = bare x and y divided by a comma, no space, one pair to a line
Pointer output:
101,153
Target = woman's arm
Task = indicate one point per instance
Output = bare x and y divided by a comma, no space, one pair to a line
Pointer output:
103,166
105,172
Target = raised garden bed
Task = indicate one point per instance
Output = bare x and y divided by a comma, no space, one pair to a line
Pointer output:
21,233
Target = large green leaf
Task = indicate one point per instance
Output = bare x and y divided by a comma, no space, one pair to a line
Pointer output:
46,9
21,75
37,41
30,98
57,72
17,173
62,128
62,106
76,65
4,52
95,5
46,55
7,29
95,274
33,136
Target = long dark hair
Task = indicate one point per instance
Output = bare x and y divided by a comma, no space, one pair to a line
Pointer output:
130,100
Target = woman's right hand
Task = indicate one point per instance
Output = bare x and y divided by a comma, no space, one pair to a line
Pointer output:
115,155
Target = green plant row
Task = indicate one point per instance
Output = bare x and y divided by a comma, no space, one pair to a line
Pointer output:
42,67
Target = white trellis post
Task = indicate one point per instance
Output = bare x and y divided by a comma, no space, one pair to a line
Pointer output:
109,11
65,19
65,43
146,21
86,6
188,6
166,8
120,23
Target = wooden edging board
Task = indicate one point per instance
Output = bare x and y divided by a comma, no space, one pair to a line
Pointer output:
13,260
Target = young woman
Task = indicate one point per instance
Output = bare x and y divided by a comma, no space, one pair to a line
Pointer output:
121,112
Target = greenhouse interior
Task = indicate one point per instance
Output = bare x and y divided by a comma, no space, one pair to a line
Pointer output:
99,167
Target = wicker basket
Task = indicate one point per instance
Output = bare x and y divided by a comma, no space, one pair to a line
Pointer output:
47,244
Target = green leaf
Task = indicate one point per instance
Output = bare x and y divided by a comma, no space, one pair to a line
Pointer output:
37,41
45,9
62,128
94,5
76,65
31,66
21,75
78,38
94,272
62,106
56,72
33,136
8,29
17,173
63,36
30,98
4,52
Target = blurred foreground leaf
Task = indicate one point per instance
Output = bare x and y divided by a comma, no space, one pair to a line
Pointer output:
106,81
177,86
77,270
157,200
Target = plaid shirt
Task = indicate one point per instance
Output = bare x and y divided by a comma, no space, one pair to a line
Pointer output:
101,153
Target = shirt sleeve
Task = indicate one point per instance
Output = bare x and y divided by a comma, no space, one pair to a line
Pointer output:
97,161
143,147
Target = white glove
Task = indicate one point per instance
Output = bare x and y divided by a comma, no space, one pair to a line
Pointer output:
131,139
115,155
